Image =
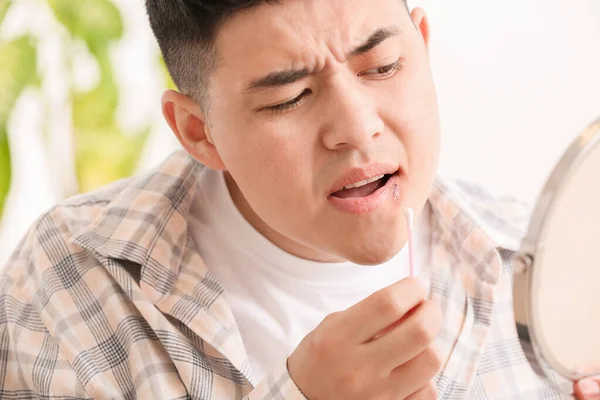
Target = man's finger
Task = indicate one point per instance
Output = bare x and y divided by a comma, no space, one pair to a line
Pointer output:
364,320
410,338
588,389
415,374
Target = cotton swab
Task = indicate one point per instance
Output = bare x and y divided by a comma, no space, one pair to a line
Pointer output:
410,220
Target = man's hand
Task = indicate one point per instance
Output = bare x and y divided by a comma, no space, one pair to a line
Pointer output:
380,348
588,389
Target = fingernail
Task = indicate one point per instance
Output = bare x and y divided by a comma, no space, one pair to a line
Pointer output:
589,387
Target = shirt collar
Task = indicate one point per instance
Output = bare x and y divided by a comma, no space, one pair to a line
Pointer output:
146,223
502,218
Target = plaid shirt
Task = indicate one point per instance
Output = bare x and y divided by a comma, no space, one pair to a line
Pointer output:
106,297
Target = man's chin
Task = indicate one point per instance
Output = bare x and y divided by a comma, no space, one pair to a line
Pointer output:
373,255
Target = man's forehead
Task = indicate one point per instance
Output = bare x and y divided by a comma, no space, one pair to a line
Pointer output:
310,20
273,35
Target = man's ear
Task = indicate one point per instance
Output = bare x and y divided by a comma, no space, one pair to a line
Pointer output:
189,125
420,20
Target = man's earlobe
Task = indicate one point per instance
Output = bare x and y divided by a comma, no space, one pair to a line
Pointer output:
187,122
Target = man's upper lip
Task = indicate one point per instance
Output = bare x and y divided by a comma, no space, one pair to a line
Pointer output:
355,175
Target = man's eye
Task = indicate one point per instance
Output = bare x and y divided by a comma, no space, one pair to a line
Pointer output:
295,102
383,72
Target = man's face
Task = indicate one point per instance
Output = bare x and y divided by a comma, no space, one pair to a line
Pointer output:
314,95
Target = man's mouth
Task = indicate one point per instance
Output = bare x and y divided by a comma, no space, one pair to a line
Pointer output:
363,188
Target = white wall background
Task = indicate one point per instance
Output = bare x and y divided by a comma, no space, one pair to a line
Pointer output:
517,81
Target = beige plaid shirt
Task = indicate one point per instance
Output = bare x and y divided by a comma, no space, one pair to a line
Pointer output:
107,298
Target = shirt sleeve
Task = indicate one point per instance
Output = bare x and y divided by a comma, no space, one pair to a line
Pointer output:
277,385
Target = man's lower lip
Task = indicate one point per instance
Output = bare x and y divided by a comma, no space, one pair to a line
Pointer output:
367,204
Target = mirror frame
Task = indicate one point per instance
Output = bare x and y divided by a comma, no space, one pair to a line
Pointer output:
524,261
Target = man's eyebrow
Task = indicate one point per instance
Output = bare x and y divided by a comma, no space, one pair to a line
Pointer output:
275,79
286,77
376,38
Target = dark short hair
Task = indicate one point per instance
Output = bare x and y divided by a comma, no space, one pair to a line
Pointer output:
185,31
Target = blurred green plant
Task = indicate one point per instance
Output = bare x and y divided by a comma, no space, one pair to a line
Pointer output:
17,71
103,151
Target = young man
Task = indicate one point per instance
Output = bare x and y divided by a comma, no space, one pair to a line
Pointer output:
267,260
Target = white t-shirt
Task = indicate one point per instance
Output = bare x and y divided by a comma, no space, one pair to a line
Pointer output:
277,298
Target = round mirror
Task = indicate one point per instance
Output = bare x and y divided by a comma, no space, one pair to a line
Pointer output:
557,271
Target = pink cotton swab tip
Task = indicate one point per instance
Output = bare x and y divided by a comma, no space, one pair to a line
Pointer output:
410,221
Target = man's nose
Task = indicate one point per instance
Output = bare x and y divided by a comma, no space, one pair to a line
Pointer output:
353,120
